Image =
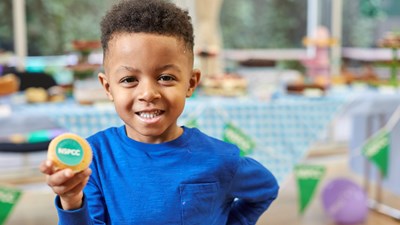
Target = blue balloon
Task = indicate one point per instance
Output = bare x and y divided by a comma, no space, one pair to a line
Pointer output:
345,201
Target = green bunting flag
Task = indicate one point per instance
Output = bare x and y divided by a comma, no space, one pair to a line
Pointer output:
236,136
308,177
191,123
8,198
376,149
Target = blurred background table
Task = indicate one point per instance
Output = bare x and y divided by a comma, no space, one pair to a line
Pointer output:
283,129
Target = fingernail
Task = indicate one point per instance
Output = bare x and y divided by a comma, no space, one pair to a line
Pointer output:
48,163
68,173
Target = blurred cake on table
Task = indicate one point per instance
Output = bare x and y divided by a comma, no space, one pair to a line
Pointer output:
9,84
86,88
41,95
225,85
390,40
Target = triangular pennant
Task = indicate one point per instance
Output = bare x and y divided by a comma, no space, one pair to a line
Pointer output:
236,136
376,149
308,177
8,198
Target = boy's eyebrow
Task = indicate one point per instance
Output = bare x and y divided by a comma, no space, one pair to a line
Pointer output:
161,68
129,68
169,66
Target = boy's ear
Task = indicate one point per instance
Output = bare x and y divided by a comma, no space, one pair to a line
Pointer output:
193,82
106,85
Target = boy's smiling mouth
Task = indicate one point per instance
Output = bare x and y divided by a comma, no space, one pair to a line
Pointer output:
149,114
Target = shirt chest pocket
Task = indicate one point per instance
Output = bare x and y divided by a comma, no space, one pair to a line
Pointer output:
198,202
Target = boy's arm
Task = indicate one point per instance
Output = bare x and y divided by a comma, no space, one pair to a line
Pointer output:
70,202
254,188
93,208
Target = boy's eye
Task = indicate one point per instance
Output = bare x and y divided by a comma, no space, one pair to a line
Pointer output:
166,78
129,80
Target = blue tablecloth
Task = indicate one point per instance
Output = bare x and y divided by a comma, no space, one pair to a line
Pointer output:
282,129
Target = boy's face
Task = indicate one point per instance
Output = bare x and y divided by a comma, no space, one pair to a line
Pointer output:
149,77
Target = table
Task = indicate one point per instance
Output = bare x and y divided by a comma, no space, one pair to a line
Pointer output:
282,129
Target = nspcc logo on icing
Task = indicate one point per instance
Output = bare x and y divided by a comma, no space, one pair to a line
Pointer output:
69,152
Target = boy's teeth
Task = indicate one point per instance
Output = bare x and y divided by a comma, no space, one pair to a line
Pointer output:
149,115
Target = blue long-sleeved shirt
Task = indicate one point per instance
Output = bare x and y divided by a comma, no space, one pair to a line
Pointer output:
194,179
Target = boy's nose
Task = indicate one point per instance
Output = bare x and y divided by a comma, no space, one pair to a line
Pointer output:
148,91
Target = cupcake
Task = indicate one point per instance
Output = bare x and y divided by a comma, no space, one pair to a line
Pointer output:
70,151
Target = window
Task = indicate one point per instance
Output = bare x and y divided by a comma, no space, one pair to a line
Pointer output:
53,25
263,23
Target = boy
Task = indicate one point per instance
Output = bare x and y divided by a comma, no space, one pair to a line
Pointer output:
150,170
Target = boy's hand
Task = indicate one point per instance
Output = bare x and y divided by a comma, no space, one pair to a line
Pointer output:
67,184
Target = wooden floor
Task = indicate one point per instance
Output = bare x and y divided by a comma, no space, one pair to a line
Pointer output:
36,205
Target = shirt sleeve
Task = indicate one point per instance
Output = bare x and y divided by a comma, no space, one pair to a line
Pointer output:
253,188
77,216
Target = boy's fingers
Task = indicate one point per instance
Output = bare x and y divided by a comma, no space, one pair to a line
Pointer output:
59,177
78,180
46,167
66,184
73,191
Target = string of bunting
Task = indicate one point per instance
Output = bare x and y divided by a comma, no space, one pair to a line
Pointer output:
377,147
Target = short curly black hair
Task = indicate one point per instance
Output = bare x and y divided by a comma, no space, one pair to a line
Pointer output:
147,16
